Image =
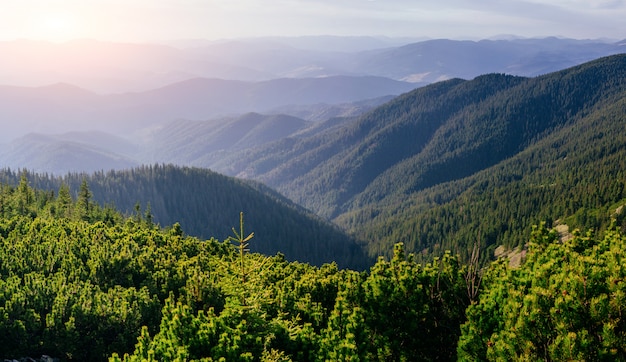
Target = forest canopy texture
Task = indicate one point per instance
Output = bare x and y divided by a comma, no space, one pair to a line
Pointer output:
81,282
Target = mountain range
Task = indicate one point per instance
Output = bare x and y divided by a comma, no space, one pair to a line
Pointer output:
417,168
63,108
45,88
111,68
441,167
456,163
379,214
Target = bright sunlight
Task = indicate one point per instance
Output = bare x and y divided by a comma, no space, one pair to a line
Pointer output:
56,26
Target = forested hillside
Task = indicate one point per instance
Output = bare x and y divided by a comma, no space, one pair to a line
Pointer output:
447,166
207,204
460,162
573,176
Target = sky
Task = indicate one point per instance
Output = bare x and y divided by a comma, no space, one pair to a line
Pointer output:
155,20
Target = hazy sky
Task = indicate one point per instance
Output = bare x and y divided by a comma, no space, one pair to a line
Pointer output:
149,20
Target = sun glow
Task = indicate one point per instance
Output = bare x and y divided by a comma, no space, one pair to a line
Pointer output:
56,26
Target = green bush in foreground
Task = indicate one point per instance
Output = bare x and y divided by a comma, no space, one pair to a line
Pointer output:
284,311
566,302
81,282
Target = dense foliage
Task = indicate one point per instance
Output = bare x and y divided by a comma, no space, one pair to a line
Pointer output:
575,175
566,302
81,282
287,311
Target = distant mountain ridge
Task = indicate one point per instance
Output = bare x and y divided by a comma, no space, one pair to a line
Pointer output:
109,68
440,59
62,108
204,143
69,152
185,83
216,143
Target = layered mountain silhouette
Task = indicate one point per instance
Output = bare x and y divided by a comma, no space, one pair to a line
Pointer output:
435,134
440,59
72,151
62,108
109,68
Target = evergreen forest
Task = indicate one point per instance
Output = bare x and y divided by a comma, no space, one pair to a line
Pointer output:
478,220
463,162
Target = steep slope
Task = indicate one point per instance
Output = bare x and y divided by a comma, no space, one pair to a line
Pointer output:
207,203
385,137
502,125
574,176
368,173
439,133
562,157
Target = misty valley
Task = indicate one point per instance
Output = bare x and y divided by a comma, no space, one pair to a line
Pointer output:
313,199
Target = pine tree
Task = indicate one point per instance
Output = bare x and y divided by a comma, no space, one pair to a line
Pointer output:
64,201
83,204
